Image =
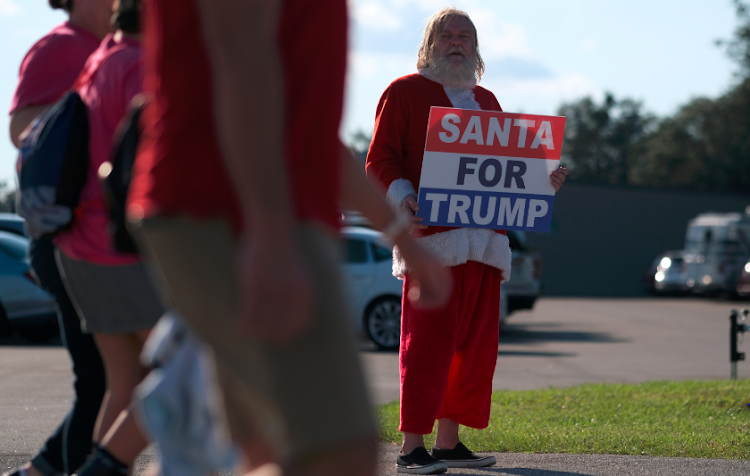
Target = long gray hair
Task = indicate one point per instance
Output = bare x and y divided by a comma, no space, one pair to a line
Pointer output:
435,25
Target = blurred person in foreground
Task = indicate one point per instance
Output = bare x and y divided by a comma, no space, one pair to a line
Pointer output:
448,355
112,291
235,196
47,72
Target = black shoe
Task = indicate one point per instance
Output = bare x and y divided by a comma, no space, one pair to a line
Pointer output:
102,463
461,457
419,461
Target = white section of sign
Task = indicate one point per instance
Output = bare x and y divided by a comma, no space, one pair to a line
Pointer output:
487,173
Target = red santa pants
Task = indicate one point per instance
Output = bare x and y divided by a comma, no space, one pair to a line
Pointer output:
448,355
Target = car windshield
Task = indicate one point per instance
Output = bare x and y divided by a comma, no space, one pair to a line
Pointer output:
16,246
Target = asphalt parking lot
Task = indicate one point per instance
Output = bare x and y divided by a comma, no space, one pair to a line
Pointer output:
566,342
562,342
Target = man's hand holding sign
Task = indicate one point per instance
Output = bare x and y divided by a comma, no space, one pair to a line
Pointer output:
488,169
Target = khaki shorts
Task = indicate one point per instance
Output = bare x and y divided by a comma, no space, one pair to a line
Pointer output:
306,396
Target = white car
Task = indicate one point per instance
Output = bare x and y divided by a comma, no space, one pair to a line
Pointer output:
24,306
374,293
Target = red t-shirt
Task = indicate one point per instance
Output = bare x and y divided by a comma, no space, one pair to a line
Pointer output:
52,65
116,77
179,169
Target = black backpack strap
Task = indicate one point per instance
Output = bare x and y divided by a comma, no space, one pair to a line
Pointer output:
116,177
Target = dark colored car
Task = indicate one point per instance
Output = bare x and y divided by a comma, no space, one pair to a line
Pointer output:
666,275
24,306
12,223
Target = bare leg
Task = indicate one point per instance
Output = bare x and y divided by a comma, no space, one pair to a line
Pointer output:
447,434
120,353
412,441
125,440
257,453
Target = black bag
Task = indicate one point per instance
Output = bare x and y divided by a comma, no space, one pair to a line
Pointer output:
116,182
52,167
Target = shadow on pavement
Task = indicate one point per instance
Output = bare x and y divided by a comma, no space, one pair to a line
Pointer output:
545,332
16,340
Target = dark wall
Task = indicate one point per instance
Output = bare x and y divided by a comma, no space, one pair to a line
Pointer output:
604,238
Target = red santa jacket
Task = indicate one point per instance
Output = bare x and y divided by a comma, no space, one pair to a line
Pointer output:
395,161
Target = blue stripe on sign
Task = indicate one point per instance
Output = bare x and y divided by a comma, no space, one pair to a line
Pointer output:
472,209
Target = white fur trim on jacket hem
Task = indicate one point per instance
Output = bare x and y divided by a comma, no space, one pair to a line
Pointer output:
398,190
458,246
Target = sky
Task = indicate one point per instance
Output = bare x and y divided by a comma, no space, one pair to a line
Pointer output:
539,54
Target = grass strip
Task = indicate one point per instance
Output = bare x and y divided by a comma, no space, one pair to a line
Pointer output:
698,419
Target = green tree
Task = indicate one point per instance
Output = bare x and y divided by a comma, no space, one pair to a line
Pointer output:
705,146
738,48
600,139
359,143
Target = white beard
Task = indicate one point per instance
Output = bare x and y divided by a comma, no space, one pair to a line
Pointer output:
454,75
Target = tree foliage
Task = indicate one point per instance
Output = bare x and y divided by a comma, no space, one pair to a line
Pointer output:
705,146
359,144
600,138
738,48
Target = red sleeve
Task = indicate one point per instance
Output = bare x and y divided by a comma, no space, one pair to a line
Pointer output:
386,155
48,71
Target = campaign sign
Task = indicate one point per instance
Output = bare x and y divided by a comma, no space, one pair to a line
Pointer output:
487,169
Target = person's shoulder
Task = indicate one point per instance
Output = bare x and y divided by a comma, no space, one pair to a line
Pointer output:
484,95
479,90
116,57
405,82
125,55
66,36
62,41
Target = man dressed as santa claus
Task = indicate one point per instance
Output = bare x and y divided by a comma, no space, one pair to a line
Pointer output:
448,355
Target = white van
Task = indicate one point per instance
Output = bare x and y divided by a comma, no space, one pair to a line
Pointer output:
716,244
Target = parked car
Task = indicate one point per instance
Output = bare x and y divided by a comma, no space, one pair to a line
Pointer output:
524,285
374,294
716,247
12,223
24,306
666,275
741,282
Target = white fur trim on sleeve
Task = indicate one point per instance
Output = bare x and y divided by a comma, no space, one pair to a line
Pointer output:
398,191
458,246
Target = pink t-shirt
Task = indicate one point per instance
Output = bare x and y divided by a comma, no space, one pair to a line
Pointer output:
52,65
116,79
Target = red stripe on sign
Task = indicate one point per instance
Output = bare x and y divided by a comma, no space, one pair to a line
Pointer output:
464,131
